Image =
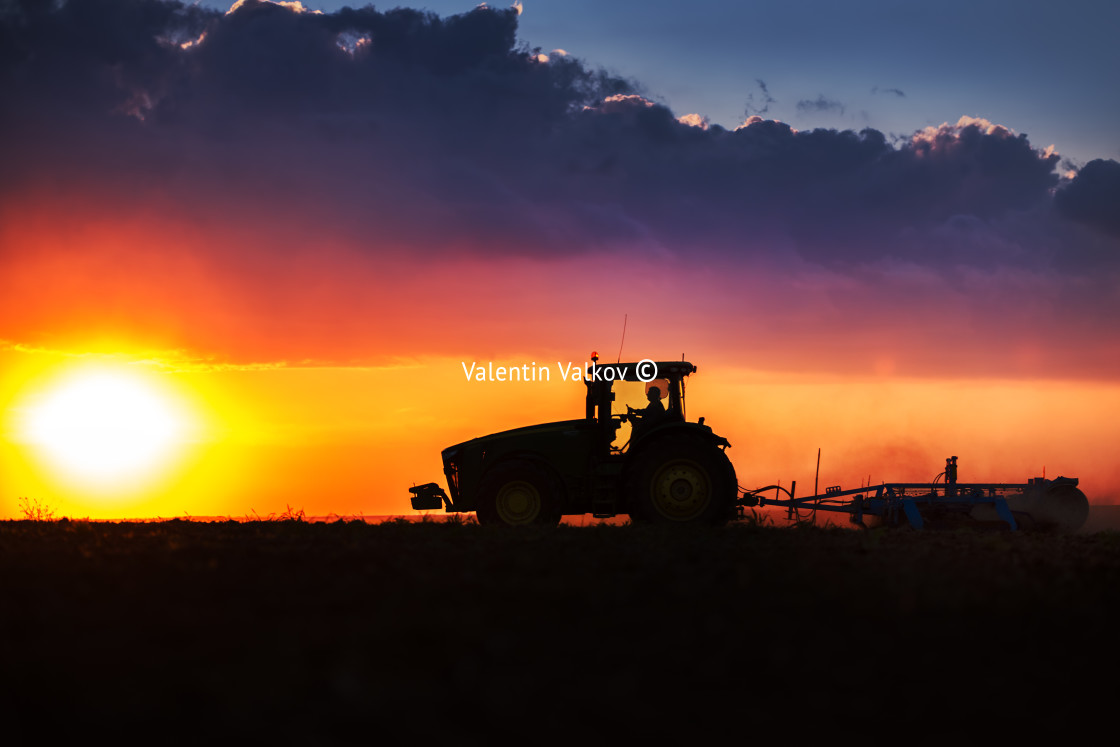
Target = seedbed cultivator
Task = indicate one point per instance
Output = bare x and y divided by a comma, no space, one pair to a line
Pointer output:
1038,504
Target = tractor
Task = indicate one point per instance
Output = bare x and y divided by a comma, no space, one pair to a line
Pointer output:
649,463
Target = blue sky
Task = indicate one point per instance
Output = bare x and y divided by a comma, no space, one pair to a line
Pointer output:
1042,68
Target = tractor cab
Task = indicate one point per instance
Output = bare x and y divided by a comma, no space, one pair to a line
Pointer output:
620,398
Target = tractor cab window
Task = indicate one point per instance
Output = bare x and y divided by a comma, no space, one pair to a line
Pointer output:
635,395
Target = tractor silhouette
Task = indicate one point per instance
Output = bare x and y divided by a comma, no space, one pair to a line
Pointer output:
651,463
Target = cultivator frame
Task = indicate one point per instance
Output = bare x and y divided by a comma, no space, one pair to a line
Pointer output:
1037,503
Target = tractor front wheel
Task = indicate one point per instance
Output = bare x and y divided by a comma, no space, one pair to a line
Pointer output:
518,493
681,480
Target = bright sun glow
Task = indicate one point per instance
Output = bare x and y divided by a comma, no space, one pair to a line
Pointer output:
105,425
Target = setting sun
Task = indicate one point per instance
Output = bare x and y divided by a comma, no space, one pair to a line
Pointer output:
105,425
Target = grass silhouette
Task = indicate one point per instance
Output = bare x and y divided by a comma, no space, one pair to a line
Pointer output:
35,510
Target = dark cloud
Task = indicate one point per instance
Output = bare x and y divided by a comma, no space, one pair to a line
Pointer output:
1093,197
818,105
889,92
403,129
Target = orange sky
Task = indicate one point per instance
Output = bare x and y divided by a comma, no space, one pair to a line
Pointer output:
349,441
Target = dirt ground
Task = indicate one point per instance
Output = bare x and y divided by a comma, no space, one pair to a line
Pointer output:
347,632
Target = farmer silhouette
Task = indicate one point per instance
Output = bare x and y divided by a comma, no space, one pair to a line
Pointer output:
651,414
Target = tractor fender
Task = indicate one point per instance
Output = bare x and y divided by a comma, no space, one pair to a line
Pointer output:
674,429
532,457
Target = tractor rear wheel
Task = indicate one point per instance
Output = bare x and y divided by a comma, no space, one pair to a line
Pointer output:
518,493
681,480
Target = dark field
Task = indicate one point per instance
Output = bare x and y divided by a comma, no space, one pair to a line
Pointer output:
293,632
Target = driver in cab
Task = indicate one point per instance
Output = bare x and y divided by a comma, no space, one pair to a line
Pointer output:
649,415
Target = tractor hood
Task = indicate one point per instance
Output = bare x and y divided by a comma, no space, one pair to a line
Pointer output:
526,433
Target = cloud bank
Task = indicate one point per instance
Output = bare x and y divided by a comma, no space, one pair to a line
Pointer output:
252,149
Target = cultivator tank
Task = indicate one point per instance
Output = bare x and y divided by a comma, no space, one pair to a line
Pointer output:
1037,504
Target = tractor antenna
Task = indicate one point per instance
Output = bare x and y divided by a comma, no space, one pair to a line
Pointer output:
817,479
620,344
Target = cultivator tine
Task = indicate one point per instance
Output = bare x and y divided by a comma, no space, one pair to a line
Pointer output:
913,515
1004,512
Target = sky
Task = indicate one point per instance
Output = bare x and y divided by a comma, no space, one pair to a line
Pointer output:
886,232
898,66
